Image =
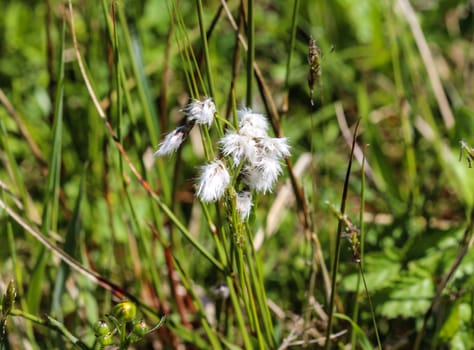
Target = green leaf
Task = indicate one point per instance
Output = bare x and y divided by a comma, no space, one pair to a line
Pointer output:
409,297
380,272
451,325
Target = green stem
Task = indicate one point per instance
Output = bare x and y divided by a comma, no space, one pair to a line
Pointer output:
335,263
251,51
296,6
51,323
186,51
259,286
186,233
202,30
374,321
225,260
251,300
148,112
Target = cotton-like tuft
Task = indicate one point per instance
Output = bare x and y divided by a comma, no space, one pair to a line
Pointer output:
213,181
244,204
252,124
261,176
202,112
238,147
274,147
171,142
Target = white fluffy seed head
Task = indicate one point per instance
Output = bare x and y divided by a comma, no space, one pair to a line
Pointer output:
202,112
171,142
261,176
252,124
213,181
258,153
273,147
244,204
238,147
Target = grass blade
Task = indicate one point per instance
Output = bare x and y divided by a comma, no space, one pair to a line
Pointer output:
50,212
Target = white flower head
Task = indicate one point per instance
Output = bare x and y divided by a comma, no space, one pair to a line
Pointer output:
262,175
274,147
213,181
252,124
239,147
202,112
172,141
244,204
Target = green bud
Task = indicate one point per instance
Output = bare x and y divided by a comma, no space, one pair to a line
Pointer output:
105,339
8,299
125,311
101,328
140,328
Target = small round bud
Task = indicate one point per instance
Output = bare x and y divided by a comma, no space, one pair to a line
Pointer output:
105,339
125,311
101,328
140,328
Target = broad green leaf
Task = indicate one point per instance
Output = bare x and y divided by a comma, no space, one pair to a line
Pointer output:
410,296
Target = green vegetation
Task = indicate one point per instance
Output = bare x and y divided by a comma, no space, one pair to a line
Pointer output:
363,241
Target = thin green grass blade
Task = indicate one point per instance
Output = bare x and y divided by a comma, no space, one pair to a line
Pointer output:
294,21
149,262
407,130
384,176
70,247
210,79
355,310
122,91
18,269
363,340
335,262
15,171
191,68
33,294
52,324
50,211
135,53
134,50
187,284
251,51
257,278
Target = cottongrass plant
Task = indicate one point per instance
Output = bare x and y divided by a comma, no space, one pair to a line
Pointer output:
254,155
248,160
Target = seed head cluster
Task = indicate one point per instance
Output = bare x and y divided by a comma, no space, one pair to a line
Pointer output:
256,153
248,150
200,112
